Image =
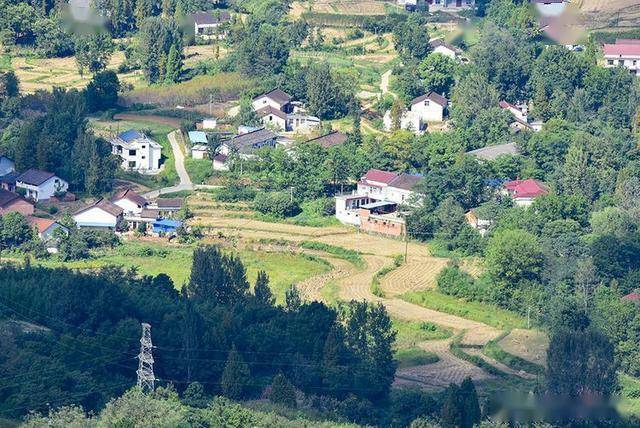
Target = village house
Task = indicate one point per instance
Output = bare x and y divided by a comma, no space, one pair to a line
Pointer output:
273,118
8,181
220,162
550,7
430,107
374,205
524,192
624,53
137,151
209,123
246,144
131,202
209,25
520,114
7,166
102,214
199,144
12,202
40,185
450,5
166,207
276,98
47,230
333,138
439,46
491,153
277,111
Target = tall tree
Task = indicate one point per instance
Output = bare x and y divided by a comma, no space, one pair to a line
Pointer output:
261,289
217,278
93,51
174,64
236,378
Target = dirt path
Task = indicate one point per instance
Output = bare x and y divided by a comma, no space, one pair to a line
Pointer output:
384,83
185,181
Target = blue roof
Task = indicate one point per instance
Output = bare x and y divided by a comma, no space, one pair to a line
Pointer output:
130,135
197,137
167,223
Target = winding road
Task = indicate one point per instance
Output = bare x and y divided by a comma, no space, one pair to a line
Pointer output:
178,156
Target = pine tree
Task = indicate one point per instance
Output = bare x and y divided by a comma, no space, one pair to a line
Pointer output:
292,298
397,109
174,65
217,278
356,134
282,391
470,407
162,69
451,409
261,290
235,377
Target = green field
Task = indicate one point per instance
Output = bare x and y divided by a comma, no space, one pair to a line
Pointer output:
476,311
629,403
148,258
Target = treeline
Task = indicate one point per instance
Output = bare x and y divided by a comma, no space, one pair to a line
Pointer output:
81,332
48,131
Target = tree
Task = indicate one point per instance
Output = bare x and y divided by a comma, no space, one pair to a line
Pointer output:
102,92
261,289
461,408
174,64
581,365
513,258
236,378
437,73
411,39
396,113
328,93
282,391
471,95
217,278
263,53
93,51
292,298
246,116
156,37
14,230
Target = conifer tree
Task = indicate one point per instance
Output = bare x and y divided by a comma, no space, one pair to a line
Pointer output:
235,377
174,65
470,407
292,298
282,391
261,289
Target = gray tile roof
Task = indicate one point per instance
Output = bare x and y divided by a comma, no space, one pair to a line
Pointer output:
277,95
34,177
331,139
104,205
432,96
251,140
170,203
210,18
7,197
405,181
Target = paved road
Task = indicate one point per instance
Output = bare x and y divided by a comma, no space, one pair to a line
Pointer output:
185,181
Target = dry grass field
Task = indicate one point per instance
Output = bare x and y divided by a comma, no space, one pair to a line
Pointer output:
45,73
530,345
610,13
349,7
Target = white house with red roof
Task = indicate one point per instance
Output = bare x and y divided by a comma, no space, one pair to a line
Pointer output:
376,190
524,192
623,53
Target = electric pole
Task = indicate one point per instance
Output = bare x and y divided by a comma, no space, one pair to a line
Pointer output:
146,378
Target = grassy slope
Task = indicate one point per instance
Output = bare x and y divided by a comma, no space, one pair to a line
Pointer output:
475,311
283,269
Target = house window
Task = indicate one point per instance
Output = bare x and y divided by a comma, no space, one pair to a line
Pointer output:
621,62
144,157
132,152
634,62
144,147
426,102
132,164
610,62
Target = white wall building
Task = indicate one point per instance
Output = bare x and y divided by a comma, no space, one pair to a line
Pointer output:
101,214
40,185
276,99
429,107
624,53
208,24
130,202
376,186
137,151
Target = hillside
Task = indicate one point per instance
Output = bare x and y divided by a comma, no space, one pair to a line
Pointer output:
600,14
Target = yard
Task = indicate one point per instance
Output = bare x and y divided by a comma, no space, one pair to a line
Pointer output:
153,258
168,176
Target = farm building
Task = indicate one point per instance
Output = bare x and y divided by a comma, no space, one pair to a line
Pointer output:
100,214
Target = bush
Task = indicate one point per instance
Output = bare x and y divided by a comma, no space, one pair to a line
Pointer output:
277,204
235,193
282,391
454,282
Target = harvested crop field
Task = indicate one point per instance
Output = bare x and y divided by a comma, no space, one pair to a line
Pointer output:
530,345
610,13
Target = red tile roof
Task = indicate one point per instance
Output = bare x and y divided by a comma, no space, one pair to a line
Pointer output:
380,176
634,297
622,49
506,104
529,188
42,224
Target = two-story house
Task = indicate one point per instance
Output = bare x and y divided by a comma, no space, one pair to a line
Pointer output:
209,25
137,151
40,185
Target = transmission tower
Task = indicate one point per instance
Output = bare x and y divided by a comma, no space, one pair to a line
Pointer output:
146,377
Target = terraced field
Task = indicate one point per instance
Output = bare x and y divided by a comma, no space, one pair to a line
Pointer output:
349,281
